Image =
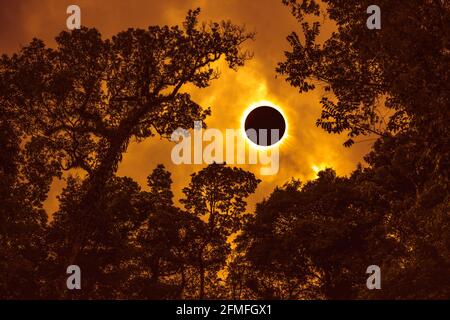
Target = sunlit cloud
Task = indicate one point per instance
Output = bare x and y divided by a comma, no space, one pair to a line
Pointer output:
306,148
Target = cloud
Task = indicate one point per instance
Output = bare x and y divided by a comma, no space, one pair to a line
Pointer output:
307,146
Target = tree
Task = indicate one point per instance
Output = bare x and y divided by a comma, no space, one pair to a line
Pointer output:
162,242
405,62
216,195
140,246
22,234
316,240
105,260
400,72
266,265
87,99
24,184
417,202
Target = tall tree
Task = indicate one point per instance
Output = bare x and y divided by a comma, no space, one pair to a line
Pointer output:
162,242
23,189
216,194
105,260
418,205
89,97
391,82
316,240
404,62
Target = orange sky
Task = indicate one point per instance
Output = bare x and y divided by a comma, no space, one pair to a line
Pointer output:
306,147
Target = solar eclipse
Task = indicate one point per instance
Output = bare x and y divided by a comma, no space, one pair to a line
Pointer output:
264,117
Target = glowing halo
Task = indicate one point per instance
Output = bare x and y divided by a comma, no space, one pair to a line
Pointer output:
253,106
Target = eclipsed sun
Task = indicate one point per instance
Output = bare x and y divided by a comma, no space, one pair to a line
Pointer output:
264,124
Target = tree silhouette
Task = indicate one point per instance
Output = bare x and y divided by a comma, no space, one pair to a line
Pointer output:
405,62
89,97
105,257
79,105
216,194
162,242
141,245
315,240
399,71
418,204
24,184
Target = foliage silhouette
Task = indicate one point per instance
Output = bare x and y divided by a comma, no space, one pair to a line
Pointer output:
79,105
216,194
89,97
318,238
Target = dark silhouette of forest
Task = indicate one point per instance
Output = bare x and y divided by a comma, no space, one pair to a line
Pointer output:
78,105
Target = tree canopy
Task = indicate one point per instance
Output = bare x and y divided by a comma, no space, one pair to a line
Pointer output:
78,106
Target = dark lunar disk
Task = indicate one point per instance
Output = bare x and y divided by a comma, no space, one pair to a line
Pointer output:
267,118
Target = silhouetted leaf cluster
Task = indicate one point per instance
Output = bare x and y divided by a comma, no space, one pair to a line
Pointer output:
77,107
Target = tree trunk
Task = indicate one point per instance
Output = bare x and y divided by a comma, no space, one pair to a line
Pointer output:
95,184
